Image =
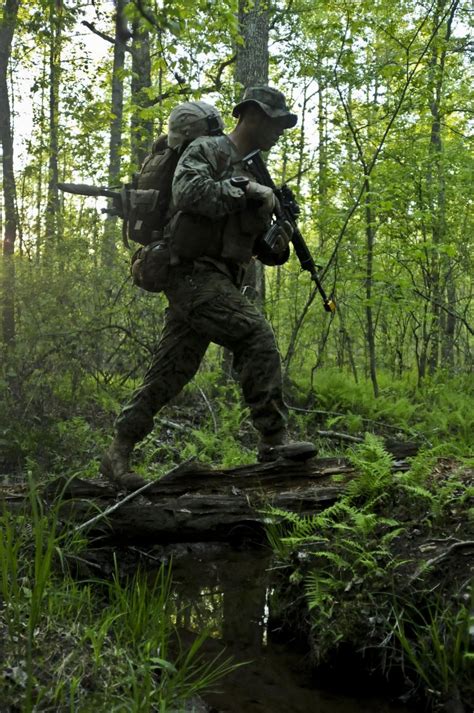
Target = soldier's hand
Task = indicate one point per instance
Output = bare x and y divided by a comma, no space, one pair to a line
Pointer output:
282,236
263,195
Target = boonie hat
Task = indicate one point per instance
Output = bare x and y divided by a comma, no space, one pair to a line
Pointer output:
270,100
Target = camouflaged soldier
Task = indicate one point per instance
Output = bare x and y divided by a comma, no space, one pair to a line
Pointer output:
217,215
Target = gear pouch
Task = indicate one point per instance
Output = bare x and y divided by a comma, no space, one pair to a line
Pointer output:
150,267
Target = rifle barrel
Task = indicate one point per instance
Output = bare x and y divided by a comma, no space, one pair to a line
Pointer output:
83,189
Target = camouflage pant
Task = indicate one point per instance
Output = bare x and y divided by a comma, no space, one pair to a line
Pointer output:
207,307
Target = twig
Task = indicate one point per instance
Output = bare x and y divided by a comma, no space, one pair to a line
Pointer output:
93,565
90,26
172,424
370,164
454,314
340,436
208,404
142,553
126,499
439,558
321,412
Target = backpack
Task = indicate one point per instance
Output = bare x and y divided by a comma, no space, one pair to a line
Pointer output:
149,200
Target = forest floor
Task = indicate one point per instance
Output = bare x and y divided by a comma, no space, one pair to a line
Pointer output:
378,584
381,585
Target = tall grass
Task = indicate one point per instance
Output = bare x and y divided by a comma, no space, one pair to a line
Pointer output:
435,645
72,645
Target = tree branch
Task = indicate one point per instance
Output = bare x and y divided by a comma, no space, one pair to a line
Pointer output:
442,306
90,26
381,144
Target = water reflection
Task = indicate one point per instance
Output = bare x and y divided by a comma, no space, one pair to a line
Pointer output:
228,593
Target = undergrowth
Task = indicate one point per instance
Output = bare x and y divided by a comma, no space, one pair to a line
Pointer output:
353,560
78,645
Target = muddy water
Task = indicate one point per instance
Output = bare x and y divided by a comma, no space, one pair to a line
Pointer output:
229,594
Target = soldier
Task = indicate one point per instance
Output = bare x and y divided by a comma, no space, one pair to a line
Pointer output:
216,220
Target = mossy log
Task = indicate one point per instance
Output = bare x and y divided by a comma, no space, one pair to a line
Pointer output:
195,502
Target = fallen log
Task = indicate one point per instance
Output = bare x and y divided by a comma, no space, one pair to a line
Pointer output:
194,502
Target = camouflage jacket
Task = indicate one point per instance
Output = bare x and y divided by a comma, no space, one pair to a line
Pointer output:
211,217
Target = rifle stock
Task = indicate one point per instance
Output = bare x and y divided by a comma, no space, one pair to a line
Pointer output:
289,211
120,199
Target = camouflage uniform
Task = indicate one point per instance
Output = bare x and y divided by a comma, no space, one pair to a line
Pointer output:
205,302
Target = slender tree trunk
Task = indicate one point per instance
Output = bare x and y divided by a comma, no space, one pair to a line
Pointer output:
121,36
370,237
322,160
141,129
437,182
53,223
109,247
39,177
7,28
449,326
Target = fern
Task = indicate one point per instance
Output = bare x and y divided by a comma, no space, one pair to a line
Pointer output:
374,468
335,559
418,491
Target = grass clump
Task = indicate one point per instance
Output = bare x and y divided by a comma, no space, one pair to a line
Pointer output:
78,645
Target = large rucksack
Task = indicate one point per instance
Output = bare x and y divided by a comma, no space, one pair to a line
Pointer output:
149,205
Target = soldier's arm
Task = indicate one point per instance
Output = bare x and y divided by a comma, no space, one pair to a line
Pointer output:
197,188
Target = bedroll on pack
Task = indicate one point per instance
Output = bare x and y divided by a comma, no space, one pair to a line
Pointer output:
149,205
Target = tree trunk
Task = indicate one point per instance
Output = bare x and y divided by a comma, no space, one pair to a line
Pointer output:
437,182
197,503
251,69
121,35
322,160
7,28
252,57
53,223
141,129
40,170
370,236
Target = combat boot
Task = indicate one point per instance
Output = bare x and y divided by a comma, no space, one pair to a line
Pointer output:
115,465
278,445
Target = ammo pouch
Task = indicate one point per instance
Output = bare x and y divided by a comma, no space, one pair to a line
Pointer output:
193,236
150,266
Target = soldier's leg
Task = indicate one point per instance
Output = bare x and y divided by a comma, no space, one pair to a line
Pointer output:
229,319
176,360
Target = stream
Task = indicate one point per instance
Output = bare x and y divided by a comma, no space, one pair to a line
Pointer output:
227,592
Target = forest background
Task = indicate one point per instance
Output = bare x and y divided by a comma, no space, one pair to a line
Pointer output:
381,162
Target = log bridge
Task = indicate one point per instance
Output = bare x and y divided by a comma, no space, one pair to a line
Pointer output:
196,503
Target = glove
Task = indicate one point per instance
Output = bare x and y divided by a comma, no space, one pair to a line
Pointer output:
278,237
262,195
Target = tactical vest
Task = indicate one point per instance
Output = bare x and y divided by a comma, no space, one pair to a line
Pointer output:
231,238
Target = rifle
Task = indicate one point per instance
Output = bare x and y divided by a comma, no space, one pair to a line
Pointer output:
120,199
135,206
288,210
